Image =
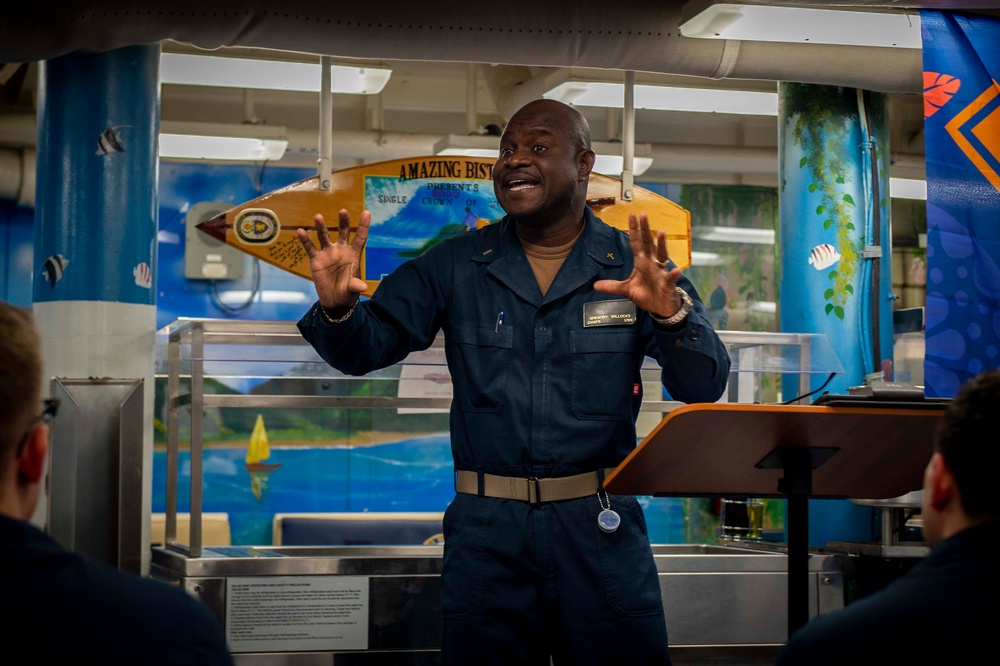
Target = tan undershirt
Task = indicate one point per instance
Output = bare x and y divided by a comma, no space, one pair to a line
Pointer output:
546,261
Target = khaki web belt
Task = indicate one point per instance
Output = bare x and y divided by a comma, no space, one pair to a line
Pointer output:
528,489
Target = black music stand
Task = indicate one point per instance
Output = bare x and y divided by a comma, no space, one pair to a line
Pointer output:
865,450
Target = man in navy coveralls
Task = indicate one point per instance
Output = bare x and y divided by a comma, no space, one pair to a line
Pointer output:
547,317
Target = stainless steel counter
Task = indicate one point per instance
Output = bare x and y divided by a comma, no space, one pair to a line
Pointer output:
721,602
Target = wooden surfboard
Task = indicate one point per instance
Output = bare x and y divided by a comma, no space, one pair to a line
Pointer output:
415,202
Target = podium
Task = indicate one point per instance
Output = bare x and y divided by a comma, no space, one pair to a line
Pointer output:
873,450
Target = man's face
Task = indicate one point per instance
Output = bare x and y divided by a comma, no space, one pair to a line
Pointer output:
539,170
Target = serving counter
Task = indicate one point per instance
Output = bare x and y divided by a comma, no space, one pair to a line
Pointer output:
379,605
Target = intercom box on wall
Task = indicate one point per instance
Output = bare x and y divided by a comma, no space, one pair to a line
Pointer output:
207,258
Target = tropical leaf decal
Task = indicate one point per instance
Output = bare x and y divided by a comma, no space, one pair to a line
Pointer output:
938,90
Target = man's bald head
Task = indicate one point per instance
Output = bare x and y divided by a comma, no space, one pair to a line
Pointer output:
571,121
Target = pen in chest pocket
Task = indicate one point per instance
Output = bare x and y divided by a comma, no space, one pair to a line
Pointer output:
496,329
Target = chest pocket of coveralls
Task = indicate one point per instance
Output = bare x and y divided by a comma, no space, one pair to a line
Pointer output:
479,358
603,373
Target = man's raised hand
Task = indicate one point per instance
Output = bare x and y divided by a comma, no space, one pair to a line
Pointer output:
653,284
336,266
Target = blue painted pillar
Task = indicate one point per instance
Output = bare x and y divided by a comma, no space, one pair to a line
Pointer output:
96,220
835,244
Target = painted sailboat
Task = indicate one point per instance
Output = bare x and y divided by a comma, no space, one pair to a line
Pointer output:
259,451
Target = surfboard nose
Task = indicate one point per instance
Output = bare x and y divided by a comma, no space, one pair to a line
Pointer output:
214,227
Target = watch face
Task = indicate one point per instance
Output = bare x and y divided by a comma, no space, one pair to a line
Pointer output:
678,317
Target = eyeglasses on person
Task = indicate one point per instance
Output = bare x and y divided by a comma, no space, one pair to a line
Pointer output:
49,410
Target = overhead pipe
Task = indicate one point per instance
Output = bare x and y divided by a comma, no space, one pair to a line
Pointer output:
612,131
249,115
374,113
17,175
593,33
471,117
18,129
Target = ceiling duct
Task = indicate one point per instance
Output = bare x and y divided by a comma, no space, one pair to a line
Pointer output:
642,36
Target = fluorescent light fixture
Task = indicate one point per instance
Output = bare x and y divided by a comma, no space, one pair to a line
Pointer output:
471,145
905,188
168,237
734,235
808,25
201,70
764,307
610,163
189,146
667,98
218,141
240,296
609,155
706,259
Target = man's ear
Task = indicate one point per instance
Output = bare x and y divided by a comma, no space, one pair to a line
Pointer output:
585,162
31,464
942,483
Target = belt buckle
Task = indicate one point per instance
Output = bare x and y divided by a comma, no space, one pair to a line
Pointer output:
534,482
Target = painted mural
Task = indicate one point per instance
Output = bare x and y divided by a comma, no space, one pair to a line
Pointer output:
411,216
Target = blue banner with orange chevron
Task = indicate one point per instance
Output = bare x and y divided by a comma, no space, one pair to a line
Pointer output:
961,58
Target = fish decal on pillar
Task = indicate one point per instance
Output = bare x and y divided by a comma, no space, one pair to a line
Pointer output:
110,142
143,275
823,256
53,268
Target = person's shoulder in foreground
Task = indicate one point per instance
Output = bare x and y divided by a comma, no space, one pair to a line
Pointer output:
944,610
60,607
68,605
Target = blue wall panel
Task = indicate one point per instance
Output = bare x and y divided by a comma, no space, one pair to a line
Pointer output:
17,253
280,295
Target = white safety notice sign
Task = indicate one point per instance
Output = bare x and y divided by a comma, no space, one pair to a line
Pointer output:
297,613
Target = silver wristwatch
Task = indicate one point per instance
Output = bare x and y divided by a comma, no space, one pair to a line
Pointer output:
677,317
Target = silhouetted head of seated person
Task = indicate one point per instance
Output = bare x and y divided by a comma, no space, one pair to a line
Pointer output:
24,432
960,479
944,609
60,606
